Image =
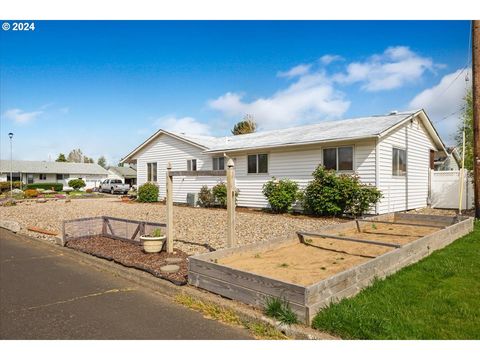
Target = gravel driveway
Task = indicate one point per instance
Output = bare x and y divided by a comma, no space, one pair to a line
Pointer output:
196,229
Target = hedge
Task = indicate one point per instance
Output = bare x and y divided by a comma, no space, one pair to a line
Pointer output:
46,186
5,185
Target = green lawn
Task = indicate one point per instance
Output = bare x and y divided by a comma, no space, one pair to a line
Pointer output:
436,298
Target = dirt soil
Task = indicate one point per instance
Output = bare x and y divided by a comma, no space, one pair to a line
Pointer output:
320,258
132,255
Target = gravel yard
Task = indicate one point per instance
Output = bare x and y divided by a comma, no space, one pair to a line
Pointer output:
197,230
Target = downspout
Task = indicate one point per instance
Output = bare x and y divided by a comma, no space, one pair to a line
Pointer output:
377,173
406,165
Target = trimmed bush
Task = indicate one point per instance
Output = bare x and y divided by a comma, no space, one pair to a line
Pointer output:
148,192
46,186
329,194
280,194
5,185
76,184
30,193
215,197
219,193
205,197
89,191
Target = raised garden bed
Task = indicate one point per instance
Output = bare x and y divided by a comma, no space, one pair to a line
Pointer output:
315,269
119,240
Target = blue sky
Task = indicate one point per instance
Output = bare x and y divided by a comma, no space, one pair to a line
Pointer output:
104,86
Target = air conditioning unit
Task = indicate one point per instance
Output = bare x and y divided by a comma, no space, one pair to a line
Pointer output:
192,199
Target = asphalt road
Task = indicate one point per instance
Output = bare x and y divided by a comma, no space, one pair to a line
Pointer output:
45,295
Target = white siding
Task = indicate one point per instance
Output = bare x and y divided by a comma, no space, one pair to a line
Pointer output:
166,148
297,165
410,191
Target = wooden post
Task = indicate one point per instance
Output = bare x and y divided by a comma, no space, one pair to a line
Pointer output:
230,203
169,191
476,112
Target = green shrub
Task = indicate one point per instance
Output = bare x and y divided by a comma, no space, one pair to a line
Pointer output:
205,197
5,185
219,193
46,186
280,194
76,183
329,194
217,196
280,309
148,192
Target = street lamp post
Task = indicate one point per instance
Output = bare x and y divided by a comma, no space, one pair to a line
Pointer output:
10,135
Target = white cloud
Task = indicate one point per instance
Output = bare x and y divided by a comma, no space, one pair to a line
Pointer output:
21,116
394,68
442,100
329,58
187,125
311,97
298,70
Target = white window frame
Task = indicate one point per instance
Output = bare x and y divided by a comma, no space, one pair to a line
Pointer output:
154,177
190,163
257,164
217,160
337,158
42,175
398,162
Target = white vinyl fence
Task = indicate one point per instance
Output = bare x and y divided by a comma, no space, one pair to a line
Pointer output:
445,190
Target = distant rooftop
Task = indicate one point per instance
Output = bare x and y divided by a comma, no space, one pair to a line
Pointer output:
51,167
125,171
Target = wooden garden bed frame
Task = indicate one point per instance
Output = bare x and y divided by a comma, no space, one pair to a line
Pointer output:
107,226
305,301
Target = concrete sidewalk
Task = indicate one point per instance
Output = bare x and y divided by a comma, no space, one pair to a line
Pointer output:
44,295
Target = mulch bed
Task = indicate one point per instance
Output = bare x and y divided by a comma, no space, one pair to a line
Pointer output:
132,255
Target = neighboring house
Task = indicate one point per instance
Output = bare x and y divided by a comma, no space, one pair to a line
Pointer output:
127,174
394,152
448,162
30,172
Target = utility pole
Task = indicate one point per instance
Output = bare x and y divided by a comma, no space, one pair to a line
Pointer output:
476,112
10,135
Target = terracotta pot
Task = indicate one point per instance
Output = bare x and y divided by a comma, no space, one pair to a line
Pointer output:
153,244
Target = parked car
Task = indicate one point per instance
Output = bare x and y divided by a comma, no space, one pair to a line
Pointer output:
113,186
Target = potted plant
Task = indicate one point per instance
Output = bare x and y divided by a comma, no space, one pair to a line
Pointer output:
153,242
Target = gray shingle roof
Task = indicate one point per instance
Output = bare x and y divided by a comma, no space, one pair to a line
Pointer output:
51,167
356,128
124,171
363,127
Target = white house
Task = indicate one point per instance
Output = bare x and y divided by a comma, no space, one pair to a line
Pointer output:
394,152
30,172
126,173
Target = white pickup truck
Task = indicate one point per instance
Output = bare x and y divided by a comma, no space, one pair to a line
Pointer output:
113,186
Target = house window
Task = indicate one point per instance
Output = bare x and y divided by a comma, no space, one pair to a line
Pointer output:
42,176
219,163
338,159
152,172
257,164
192,165
29,178
15,177
61,177
399,162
